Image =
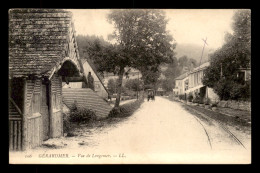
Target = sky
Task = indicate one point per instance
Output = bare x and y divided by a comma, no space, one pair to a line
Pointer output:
187,26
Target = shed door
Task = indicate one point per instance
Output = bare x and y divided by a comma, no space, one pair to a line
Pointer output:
45,114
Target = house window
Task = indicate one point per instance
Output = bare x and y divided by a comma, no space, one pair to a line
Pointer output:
241,76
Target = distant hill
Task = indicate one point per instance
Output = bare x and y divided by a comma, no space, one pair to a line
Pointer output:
193,51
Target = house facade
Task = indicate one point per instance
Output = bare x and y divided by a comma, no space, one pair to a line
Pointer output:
42,54
132,74
195,85
181,83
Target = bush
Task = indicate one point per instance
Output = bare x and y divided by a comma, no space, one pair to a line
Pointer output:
81,115
207,101
196,99
214,105
126,109
190,97
230,90
201,100
182,97
66,123
240,92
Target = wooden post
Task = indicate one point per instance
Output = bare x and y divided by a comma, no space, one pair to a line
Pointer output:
50,110
11,146
61,105
24,118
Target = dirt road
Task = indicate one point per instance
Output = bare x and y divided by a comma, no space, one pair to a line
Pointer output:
160,131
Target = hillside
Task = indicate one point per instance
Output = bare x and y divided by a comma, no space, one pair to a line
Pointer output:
193,51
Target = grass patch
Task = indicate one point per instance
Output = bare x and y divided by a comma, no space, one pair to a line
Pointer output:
127,109
76,117
229,120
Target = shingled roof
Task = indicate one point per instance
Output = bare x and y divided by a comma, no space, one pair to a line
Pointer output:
37,40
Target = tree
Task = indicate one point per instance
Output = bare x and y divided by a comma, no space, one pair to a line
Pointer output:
133,84
150,77
175,68
234,54
142,42
185,62
167,84
111,86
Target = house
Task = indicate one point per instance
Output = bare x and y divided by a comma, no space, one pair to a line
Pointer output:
132,74
195,85
160,92
244,74
42,54
99,86
181,84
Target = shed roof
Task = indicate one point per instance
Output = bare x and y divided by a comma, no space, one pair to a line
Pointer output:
37,39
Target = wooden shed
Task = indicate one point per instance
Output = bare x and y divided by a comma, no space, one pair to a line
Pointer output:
42,53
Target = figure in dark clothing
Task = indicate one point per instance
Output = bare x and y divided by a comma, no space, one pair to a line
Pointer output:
91,81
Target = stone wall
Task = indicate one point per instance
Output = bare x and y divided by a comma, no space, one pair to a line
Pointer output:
212,95
241,105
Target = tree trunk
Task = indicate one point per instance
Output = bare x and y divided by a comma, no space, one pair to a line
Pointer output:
119,87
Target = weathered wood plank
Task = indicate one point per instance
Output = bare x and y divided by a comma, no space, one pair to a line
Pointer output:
11,135
34,116
15,118
15,135
24,120
34,134
30,133
19,147
50,108
40,131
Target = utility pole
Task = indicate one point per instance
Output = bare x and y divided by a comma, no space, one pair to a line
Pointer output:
205,43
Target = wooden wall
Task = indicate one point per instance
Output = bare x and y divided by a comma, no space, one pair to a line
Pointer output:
15,129
33,120
56,106
33,116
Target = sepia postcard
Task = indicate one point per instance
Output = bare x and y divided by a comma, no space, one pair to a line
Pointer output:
129,86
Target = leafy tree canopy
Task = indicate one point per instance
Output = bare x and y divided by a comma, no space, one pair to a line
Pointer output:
133,84
141,42
233,55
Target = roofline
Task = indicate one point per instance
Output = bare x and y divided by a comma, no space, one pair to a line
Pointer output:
182,78
96,75
186,73
198,70
57,67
